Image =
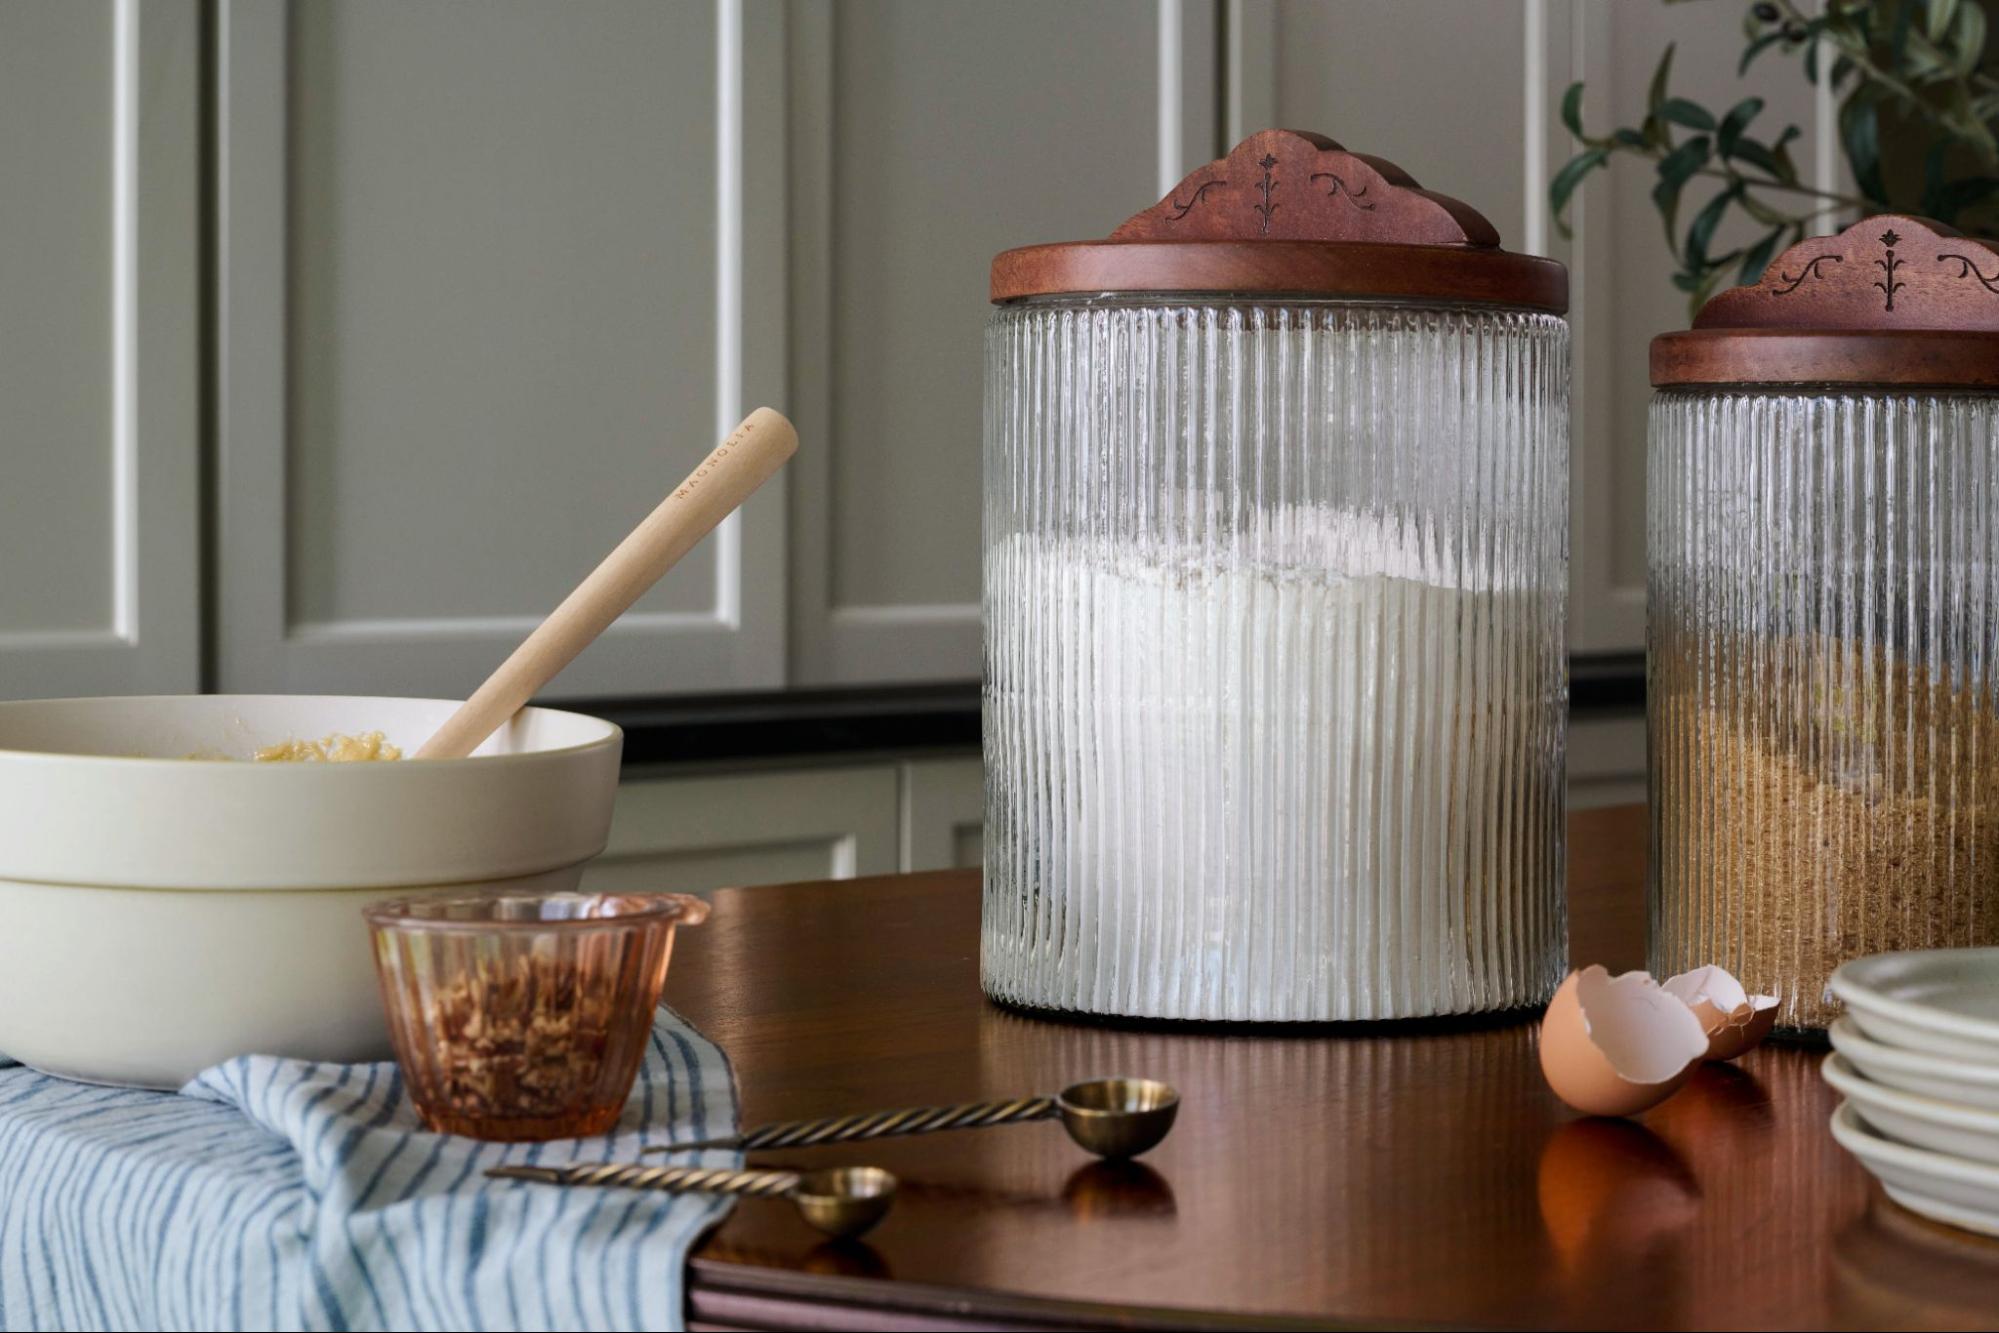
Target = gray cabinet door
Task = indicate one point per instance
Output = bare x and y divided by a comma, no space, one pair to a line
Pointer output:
925,136
1465,94
99,347
695,833
943,813
492,279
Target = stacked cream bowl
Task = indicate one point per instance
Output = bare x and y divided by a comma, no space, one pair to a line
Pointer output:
1916,1055
159,913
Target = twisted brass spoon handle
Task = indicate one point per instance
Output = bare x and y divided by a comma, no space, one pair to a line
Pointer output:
844,1201
876,1125
1111,1117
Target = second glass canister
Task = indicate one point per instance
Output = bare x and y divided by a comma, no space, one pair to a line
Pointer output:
1824,521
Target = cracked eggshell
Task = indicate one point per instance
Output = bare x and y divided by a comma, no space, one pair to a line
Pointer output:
1618,1045
1734,1020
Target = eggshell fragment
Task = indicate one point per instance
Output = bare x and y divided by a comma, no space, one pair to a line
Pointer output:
1617,1045
1734,1020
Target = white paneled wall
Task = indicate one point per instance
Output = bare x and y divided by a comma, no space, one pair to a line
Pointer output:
487,280
99,347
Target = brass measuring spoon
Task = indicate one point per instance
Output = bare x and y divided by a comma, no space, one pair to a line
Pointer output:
844,1201
1111,1117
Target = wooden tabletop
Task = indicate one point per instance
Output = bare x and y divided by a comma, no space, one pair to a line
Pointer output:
1389,1174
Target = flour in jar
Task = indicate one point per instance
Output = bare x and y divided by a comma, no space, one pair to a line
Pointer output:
1317,793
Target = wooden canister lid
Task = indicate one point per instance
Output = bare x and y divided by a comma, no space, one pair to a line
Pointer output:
1892,301
1291,213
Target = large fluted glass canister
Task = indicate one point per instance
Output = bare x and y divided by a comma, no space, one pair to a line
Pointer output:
1824,611
1275,681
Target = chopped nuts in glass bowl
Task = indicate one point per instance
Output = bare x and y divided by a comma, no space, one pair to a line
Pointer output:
520,1017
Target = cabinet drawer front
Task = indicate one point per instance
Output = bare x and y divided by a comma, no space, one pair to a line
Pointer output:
689,834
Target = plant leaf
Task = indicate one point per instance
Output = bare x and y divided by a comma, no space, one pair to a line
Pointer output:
1970,38
1937,21
1959,117
1932,203
1710,280
1734,123
1898,37
1675,169
1685,160
1860,131
1568,178
1572,109
1690,114
1763,213
1756,155
1704,223
1786,168
1757,258
1755,49
1960,195
1657,94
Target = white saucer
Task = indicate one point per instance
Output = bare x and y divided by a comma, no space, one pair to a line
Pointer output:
1943,1001
1941,1076
1909,1117
1947,1189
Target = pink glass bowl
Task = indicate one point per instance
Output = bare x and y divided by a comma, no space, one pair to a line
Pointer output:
524,1016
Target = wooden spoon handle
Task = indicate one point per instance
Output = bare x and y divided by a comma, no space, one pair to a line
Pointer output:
754,452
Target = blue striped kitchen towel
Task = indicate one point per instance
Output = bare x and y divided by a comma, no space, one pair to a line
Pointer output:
281,1194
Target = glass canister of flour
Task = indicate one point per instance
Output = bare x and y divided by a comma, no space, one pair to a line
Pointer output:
1824,520
1276,517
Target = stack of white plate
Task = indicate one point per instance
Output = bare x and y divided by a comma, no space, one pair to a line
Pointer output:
1917,1058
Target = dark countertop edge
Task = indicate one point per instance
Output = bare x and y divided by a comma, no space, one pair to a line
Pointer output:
916,719
801,724
1606,683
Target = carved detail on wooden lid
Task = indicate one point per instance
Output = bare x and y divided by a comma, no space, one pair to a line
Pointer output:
1891,301
1888,272
1294,214
1292,185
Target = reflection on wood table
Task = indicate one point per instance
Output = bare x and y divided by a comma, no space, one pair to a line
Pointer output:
1396,1173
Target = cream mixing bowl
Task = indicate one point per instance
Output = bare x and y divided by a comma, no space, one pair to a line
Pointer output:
159,913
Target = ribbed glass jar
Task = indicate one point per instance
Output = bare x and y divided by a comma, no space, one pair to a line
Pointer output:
1824,741
1275,678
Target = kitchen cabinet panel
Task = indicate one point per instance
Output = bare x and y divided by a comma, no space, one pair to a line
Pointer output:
943,813
483,288
925,136
1395,78
1477,116
99,348
1606,761
490,285
689,834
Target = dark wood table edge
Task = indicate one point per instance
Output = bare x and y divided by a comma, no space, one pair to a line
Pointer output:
724,1295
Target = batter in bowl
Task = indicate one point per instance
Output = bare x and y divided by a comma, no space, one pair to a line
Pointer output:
337,748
